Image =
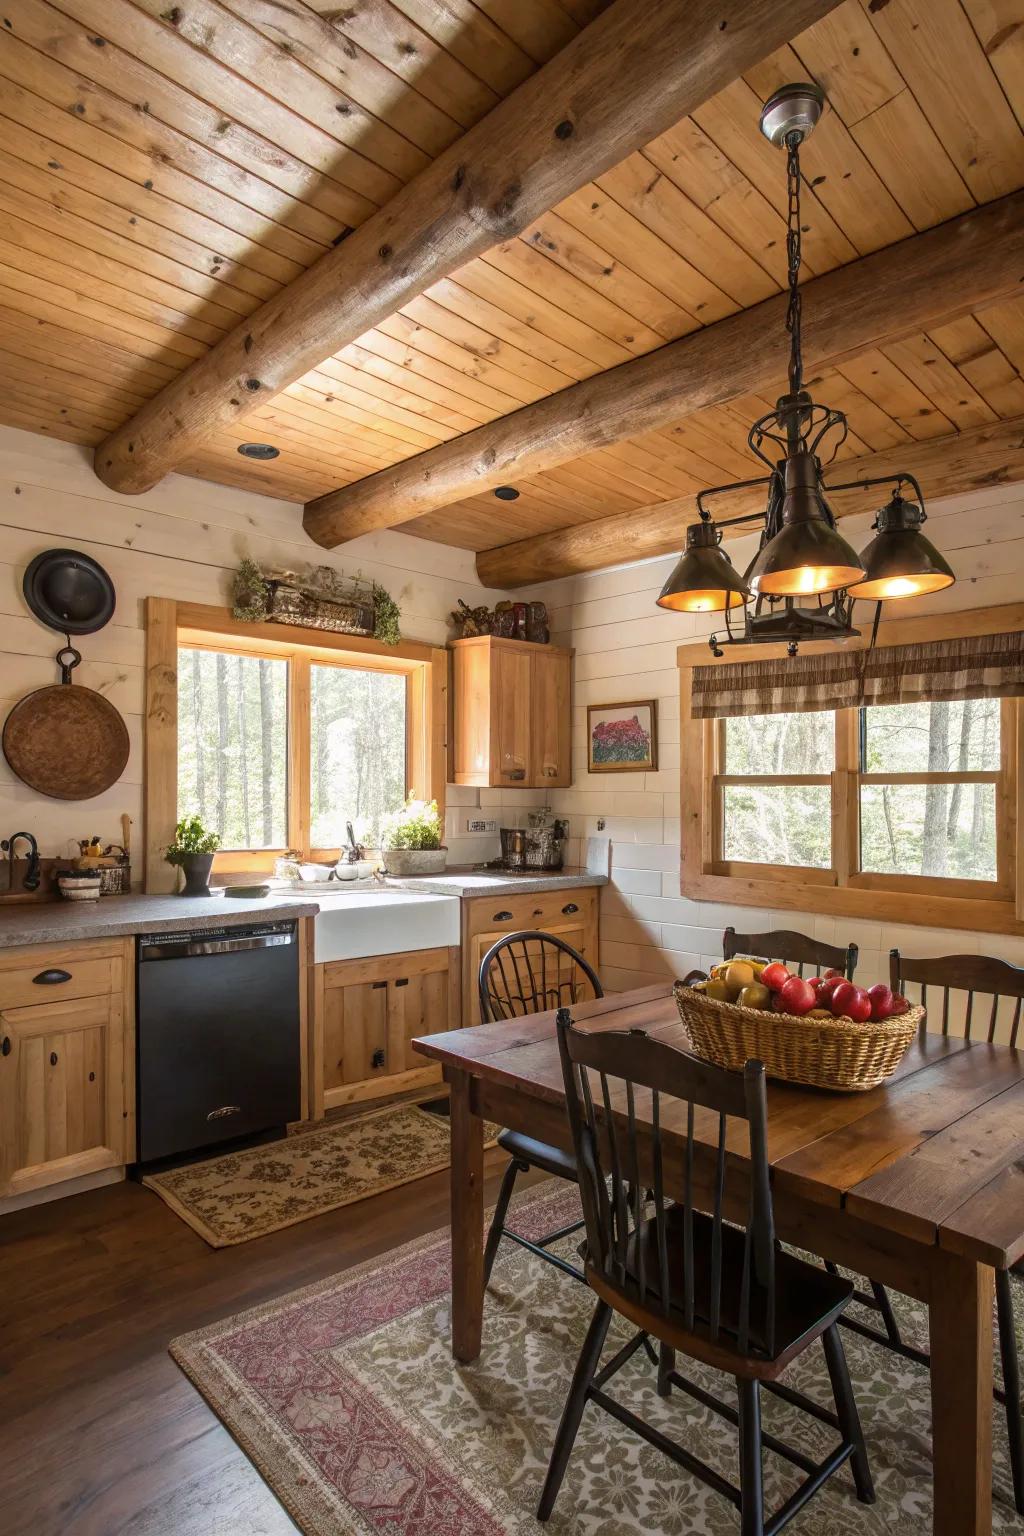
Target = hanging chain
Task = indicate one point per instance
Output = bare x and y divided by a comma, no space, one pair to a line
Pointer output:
793,256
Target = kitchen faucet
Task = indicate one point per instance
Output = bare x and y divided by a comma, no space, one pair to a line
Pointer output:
32,874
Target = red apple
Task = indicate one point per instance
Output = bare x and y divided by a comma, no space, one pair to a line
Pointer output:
826,989
852,1001
797,995
774,976
833,972
815,981
899,1005
881,1000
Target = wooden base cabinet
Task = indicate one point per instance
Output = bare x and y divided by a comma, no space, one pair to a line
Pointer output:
512,713
571,913
66,1063
365,1013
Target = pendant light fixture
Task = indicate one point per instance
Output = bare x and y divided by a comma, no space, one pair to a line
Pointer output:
802,554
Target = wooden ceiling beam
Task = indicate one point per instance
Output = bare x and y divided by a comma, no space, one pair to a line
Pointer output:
972,460
634,72
956,267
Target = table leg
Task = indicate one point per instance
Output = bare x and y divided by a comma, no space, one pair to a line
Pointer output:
467,1196
961,1348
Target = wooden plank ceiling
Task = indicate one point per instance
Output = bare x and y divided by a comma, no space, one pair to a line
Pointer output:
165,169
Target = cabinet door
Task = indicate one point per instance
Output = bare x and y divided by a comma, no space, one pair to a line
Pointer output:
62,1109
551,733
372,1009
417,1005
511,676
355,1032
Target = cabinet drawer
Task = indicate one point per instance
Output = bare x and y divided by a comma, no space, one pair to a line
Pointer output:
54,977
543,909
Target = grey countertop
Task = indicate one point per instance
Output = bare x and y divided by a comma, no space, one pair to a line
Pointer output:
54,922
497,882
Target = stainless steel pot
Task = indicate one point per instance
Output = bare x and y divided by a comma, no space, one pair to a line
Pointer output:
533,847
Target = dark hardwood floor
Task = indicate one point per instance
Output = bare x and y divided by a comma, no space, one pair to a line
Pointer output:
100,1433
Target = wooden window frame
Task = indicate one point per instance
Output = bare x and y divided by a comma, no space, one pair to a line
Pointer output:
976,905
171,625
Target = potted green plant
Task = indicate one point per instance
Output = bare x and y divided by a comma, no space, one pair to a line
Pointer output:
411,840
192,851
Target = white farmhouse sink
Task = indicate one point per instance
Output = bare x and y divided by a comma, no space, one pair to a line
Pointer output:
375,920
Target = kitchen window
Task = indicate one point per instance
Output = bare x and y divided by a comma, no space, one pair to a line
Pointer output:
900,811
278,736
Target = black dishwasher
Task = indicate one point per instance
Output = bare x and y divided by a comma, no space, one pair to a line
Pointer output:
218,1035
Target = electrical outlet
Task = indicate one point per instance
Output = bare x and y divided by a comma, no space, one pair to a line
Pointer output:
476,824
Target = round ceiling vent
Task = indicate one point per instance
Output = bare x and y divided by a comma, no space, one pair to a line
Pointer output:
258,450
506,492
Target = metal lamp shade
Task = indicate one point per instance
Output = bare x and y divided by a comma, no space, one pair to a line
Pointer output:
808,555
900,561
705,579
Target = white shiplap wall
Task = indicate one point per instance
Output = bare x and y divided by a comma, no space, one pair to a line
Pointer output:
181,540
626,650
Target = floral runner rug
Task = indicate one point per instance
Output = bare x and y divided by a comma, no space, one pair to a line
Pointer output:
237,1196
346,1398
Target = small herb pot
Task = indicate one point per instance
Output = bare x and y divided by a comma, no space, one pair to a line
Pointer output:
196,868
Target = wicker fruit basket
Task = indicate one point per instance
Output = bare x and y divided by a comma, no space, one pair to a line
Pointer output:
820,1053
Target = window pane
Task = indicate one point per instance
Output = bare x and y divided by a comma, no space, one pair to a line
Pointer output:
781,743
357,752
233,746
929,829
779,824
962,736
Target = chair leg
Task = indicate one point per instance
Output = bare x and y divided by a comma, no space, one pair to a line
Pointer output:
666,1365
572,1413
751,1487
514,1168
892,1327
846,1410
1011,1384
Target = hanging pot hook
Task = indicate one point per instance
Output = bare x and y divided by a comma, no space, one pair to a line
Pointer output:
67,659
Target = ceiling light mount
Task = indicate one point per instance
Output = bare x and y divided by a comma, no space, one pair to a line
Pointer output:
258,451
803,562
792,109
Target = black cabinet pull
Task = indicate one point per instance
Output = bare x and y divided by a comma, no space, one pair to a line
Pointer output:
377,1059
53,1058
5,1046
538,911
51,978
378,984
516,773
570,906
403,981
502,917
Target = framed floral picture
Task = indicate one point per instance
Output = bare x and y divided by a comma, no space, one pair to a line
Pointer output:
622,738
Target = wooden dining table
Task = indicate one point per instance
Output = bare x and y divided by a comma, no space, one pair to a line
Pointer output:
918,1184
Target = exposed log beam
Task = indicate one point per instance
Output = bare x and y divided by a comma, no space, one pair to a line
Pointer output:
956,267
946,466
630,75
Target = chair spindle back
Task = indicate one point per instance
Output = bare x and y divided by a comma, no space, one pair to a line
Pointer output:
967,974
531,971
791,948
619,1139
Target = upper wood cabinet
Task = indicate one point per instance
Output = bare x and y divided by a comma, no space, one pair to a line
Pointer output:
513,713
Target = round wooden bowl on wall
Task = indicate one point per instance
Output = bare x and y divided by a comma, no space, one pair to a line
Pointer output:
66,742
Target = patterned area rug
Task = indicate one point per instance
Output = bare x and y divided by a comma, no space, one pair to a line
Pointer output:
241,1195
347,1400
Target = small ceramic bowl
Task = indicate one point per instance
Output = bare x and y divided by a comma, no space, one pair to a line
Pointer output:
79,884
315,874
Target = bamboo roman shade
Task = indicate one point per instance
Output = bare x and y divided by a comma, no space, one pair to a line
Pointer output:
976,667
